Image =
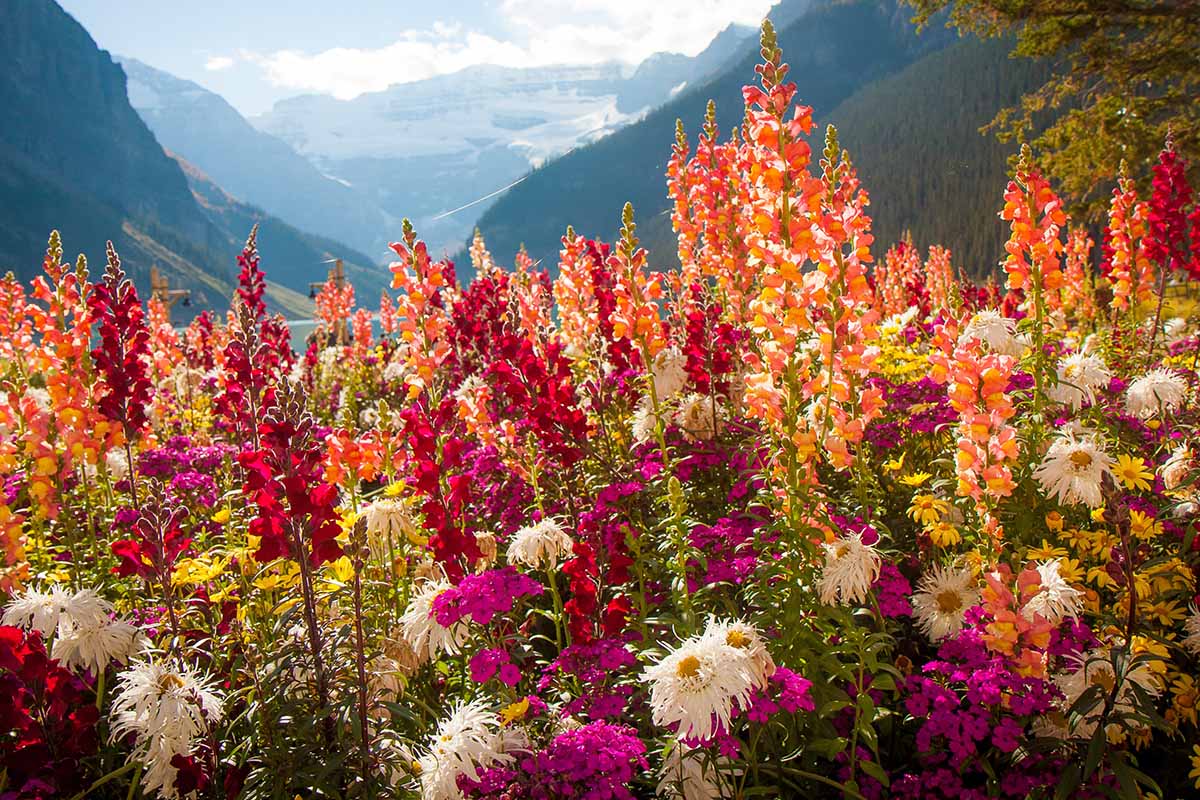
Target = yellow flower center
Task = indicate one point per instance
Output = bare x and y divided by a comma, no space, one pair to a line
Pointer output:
168,682
948,601
736,638
689,667
1081,459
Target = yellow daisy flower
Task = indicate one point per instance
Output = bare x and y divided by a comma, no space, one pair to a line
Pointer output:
1045,552
915,479
1165,612
1071,570
943,534
1143,526
1132,473
927,509
514,712
1100,577
1184,697
1195,773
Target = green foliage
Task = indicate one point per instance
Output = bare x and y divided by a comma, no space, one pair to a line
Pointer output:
1127,74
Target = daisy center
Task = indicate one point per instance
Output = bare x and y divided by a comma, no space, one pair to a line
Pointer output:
737,639
948,601
1081,459
168,682
689,667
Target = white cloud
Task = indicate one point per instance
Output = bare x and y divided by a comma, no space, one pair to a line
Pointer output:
537,33
218,63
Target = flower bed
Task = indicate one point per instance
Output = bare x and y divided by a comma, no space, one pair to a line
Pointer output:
783,522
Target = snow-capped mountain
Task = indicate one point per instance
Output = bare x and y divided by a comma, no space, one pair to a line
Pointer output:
426,148
253,166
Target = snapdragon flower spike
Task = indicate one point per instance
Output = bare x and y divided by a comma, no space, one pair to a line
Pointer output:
1036,217
335,305
943,285
296,509
1078,297
122,357
252,283
428,289
1166,222
1124,261
158,541
899,281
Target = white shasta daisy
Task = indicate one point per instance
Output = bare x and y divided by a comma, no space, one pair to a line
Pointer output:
465,742
389,522
1079,376
997,331
167,709
95,645
541,545
669,373
1073,469
695,687
745,645
1191,629
941,601
699,417
37,610
850,569
1159,390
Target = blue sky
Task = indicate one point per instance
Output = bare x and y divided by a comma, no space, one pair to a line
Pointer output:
254,53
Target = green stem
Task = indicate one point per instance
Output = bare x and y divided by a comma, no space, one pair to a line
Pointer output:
112,776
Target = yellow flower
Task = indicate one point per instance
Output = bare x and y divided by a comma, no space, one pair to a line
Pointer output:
1146,645
1171,576
915,479
394,489
61,574
1131,471
1076,539
1143,526
927,509
1184,697
1166,612
895,464
1070,570
943,534
1098,514
221,516
1100,577
338,573
514,712
1046,551
1195,773
277,580
1054,522
196,571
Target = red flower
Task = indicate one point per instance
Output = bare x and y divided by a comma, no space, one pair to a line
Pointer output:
123,353
297,511
47,721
